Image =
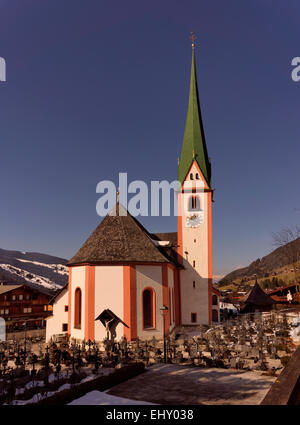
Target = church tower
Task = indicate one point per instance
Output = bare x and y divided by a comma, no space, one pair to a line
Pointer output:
194,216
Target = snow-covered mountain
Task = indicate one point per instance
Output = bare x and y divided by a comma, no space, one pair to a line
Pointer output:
42,271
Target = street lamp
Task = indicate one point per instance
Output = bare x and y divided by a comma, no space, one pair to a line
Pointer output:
164,310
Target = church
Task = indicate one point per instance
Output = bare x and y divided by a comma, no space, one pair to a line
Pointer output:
151,282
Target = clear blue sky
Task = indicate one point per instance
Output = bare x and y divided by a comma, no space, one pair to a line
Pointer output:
95,88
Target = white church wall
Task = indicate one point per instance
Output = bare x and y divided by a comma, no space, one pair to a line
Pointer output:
54,323
149,276
78,281
108,294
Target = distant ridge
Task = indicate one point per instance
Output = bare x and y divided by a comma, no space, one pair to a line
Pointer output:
41,271
261,268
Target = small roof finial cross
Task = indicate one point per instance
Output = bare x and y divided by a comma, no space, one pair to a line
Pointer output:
193,38
118,202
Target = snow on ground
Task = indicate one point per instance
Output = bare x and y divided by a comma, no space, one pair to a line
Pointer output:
33,384
34,399
58,268
89,398
295,334
38,280
100,398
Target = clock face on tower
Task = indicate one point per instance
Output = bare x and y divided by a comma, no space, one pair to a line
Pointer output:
194,220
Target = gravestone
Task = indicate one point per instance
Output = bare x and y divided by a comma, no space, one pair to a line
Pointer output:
194,351
233,363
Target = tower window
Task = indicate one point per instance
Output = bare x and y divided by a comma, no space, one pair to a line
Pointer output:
78,301
194,240
66,308
65,327
194,263
191,176
194,203
194,284
197,176
193,317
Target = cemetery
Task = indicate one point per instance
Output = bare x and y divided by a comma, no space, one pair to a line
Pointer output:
33,372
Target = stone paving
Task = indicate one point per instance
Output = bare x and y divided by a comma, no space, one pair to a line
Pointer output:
179,385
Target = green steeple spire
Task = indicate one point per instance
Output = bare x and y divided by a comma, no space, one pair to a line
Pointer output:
194,146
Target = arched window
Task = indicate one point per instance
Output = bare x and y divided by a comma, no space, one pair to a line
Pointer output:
194,203
197,176
191,176
148,299
214,300
78,303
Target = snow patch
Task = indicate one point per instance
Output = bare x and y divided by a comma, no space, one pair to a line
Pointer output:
34,278
58,268
100,398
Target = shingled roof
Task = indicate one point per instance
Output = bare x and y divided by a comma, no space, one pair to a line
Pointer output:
119,238
258,297
170,236
170,249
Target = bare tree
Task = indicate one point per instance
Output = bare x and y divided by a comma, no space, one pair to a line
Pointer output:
286,240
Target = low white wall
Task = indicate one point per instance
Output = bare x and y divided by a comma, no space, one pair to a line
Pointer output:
54,323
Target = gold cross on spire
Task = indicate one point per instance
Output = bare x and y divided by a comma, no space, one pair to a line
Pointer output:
193,38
